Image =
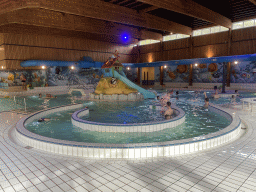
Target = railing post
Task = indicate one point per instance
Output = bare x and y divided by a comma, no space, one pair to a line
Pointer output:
25,104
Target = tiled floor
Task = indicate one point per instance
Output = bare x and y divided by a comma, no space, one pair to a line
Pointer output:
227,168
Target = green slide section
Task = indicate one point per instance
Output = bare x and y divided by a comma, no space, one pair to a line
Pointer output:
146,94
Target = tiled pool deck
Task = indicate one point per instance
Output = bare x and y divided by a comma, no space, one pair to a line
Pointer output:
230,167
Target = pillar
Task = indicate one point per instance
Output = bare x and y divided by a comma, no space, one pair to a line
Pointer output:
161,75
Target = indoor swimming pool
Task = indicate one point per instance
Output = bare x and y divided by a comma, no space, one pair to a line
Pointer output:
199,121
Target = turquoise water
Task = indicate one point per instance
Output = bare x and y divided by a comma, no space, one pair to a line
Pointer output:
34,103
199,121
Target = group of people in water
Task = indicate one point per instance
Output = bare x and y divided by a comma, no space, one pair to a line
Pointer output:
166,109
168,112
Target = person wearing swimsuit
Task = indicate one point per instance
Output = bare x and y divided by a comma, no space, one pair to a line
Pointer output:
169,112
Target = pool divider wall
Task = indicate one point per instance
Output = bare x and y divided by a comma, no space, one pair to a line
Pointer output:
131,151
136,127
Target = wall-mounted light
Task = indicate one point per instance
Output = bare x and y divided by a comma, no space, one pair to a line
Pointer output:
236,62
2,67
72,67
165,66
43,67
196,64
128,68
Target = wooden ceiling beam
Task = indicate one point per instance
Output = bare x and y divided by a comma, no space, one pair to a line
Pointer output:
192,9
102,10
131,3
253,1
52,19
121,2
138,5
148,9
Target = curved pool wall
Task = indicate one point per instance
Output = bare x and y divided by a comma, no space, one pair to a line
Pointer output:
138,127
128,151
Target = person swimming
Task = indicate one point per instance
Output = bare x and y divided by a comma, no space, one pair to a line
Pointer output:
43,119
169,112
206,100
177,95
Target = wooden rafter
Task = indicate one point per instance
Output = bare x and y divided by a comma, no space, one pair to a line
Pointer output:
103,11
253,1
52,19
112,1
134,6
148,9
121,2
130,3
193,9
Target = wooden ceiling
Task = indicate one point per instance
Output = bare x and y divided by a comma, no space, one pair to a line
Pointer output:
141,19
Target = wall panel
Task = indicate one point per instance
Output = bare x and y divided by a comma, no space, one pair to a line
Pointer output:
211,39
176,44
150,48
243,47
19,47
210,51
244,34
176,54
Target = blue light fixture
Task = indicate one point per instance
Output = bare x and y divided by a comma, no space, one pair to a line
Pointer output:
125,37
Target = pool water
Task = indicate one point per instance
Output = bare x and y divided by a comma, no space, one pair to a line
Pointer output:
122,113
34,103
199,121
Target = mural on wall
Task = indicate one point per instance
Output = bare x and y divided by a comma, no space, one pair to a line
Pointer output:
243,72
13,78
208,73
131,74
60,76
157,74
173,74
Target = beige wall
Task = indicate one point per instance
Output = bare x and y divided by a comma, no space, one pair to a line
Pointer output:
150,71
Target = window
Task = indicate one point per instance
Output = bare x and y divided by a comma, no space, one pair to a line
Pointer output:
175,36
249,23
148,41
238,25
206,31
197,32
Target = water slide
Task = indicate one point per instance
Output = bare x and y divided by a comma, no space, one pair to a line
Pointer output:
146,94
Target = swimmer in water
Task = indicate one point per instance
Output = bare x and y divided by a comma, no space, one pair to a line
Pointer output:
169,112
49,96
43,119
206,100
177,95
216,95
166,98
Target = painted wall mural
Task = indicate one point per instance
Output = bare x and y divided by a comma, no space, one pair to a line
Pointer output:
208,73
243,72
131,74
60,76
175,74
12,78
